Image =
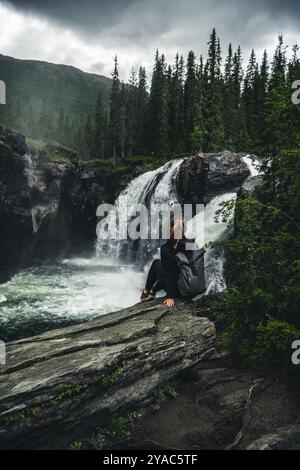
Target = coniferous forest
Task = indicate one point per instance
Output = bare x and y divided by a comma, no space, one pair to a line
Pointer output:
223,101
197,105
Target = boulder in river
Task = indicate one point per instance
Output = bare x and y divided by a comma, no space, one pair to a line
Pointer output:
203,176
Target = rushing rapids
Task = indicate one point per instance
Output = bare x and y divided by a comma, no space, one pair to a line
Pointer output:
74,290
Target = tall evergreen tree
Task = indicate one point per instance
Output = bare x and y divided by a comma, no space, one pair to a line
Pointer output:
141,111
213,109
158,108
131,113
229,101
191,98
279,95
177,100
249,98
98,144
123,119
115,123
261,100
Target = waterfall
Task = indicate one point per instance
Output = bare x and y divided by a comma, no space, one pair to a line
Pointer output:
253,165
78,289
153,187
214,231
159,187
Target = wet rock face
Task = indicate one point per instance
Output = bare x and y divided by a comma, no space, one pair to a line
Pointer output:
57,387
203,177
15,216
14,140
48,208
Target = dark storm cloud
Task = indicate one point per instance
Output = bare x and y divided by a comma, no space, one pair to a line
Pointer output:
134,29
82,14
95,13
160,22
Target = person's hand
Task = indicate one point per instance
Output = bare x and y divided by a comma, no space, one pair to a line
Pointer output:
169,303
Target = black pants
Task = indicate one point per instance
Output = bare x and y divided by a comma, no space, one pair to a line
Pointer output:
156,277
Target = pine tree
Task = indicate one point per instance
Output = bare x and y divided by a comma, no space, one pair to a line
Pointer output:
240,135
229,101
249,99
191,99
158,108
292,117
261,100
115,124
177,106
123,120
141,112
279,95
131,113
98,143
213,87
87,138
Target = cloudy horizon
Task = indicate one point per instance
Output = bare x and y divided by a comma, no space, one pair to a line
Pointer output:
88,35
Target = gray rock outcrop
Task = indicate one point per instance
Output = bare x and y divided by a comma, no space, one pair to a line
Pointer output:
69,380
204,176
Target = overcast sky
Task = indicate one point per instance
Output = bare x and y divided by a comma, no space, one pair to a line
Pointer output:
87,34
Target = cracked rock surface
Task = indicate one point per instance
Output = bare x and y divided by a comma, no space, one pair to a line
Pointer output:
219,407
76,377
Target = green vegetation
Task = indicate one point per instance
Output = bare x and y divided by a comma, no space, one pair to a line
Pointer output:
21,415
200,106
35,145
262,304
117,429
112,378
163,392
48,101
191,106
69,393
115,375
76,445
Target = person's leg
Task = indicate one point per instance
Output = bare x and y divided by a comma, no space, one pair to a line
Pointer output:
153,274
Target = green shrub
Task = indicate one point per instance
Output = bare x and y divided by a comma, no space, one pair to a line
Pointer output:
261,306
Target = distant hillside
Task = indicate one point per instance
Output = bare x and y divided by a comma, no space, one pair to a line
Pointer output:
49,101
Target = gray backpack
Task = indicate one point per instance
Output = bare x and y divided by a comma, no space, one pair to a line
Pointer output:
191,281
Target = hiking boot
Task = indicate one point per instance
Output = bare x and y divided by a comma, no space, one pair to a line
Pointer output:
147,295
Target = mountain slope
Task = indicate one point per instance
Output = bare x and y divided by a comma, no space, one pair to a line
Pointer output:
45,100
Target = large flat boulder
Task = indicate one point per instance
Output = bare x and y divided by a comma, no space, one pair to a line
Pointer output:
75,378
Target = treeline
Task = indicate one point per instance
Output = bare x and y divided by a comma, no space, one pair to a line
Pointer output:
198,105
40,121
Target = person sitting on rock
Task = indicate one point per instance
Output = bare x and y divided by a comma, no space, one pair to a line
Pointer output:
164,272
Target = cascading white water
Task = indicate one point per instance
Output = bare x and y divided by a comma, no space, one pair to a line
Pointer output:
217,231
158,187
214,231
154,187
253,165
50,295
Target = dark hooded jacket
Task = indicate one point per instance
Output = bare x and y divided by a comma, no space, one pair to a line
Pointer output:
170,268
